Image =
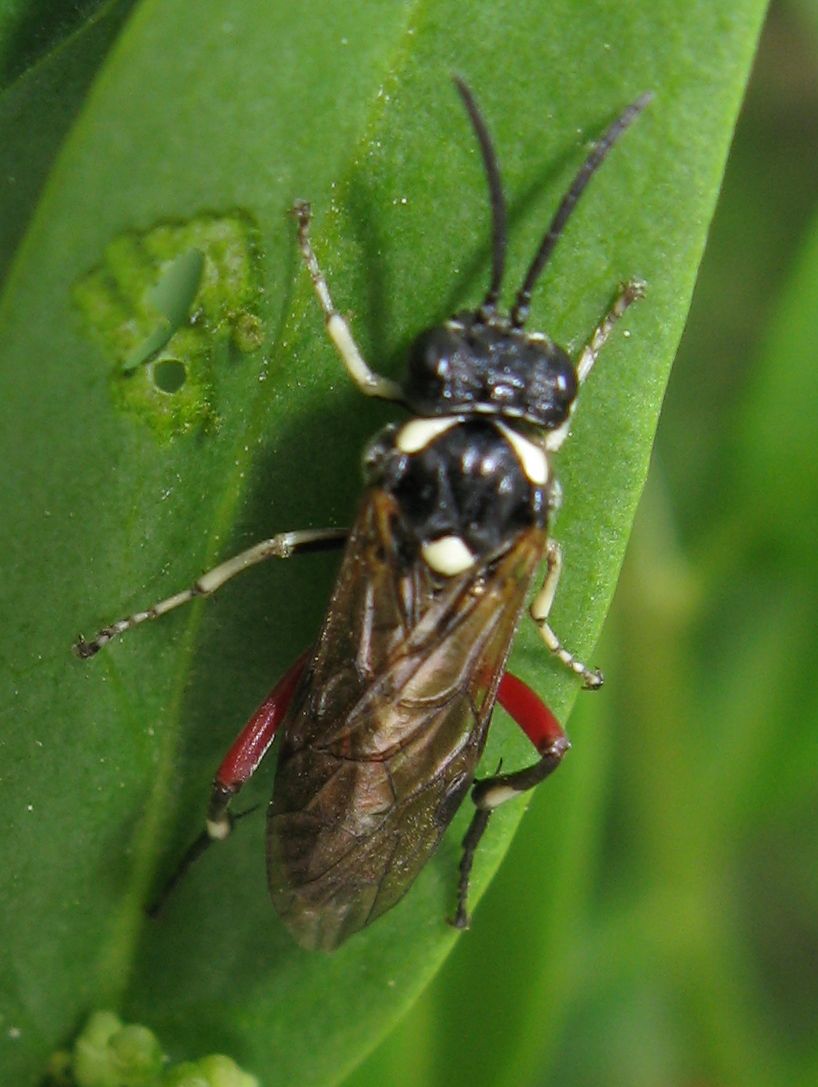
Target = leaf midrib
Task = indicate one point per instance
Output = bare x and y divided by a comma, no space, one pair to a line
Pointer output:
118,956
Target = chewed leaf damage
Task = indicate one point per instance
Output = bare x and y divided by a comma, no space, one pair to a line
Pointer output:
169,306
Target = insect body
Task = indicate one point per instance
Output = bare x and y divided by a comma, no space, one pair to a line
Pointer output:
381,725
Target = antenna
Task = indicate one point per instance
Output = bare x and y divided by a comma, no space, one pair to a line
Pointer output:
596,157
498,202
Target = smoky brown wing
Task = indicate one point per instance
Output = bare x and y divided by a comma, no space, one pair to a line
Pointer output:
383,739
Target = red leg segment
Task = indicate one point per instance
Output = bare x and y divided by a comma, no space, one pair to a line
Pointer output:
241,762
545,732
253,742
530,712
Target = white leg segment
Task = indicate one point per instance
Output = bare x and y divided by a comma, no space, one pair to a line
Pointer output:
282,546
629,293
370,383
541,609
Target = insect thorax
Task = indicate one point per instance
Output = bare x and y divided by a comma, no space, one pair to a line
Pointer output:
470,472
464,487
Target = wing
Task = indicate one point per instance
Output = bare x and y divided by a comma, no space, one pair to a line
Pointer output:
385,732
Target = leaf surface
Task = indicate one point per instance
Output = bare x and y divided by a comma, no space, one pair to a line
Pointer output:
198,113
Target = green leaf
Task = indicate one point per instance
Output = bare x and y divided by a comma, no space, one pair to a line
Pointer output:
172,296
199,111
30,29
39,106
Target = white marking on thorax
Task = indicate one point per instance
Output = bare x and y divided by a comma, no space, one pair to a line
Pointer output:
531,456
447,556
555,438
418,433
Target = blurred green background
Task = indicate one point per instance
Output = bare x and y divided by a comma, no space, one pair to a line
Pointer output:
688,948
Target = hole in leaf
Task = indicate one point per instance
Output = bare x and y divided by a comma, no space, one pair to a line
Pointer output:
165,304
169,375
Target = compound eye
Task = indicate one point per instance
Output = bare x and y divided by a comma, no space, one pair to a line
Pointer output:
432,361
565,378
557,388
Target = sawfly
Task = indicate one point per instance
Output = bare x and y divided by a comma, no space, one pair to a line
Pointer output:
381,724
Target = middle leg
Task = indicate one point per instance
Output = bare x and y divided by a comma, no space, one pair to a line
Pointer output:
283,546
540,610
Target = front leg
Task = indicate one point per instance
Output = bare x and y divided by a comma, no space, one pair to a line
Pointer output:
370,383
627,294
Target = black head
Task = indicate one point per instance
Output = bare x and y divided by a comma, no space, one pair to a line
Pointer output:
484,362
473,366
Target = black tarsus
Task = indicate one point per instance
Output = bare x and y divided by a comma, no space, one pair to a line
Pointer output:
476,830
190,856
498,200
195,850
597,155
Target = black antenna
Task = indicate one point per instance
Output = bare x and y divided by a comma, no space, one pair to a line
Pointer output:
519,311
498,202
